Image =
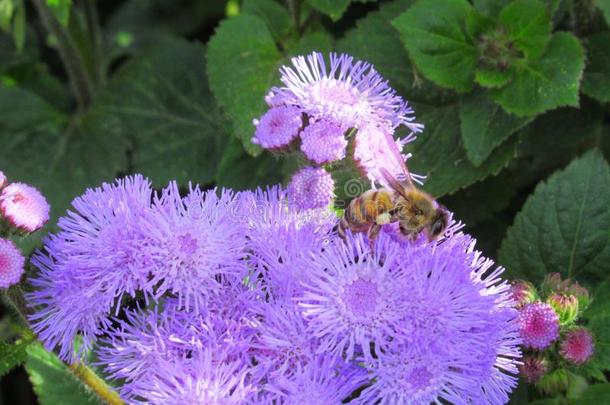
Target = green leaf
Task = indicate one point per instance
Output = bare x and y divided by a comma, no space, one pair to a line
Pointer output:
242,66
319,41
333,8
596,79
275,16
595,394
600,304
61,10
439,154
604,6
493,78
161,100
40,149
549,82
485,125
564,225
391,59
53,382
600,329
434,33
240,171
529,26
13,354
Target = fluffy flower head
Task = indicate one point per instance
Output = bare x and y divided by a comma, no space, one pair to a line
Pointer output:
24,207
533,368
577,346
311,187
278,127
538,325
11,263
323,142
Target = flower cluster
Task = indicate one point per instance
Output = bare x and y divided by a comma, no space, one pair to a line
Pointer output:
235,298
549,329
320,109
23,210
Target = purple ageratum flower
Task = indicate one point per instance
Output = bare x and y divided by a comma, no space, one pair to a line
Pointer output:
24,207
350,92
196,243
11,264
296,234
310,188
88,266
278,127
203,379
354,297
538,325
147,339
457,337
323,142
372,153
324,380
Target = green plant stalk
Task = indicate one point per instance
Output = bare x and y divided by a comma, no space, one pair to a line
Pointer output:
97,40
96,384
14,298
73,63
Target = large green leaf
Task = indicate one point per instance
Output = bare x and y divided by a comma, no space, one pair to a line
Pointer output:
53,382
161,100
40,148
596,80
546,83
438,154
564,225
485,125
391,59
333,8
242,62
434,33
273,13
604,6
595,394
529,26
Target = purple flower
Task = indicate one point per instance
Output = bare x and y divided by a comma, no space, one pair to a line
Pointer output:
11,263
538,325
88,266
323,380
295,235
323,142
348,91
23,206
577,346
203,379
196,244
310,188
277,127
354,297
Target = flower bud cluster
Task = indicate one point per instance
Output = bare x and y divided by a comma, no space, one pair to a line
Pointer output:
23,210
323,108
549,326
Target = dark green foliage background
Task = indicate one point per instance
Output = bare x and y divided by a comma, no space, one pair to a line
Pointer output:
514,96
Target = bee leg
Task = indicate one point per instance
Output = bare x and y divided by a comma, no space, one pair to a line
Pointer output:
341,227
373,233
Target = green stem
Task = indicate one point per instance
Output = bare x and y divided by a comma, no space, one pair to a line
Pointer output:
97,40
70,57
294,6
96,384
14,298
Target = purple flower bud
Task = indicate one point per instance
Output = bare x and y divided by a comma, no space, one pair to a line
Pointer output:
277,128
24,207
11,263
323,142
533,368
539,325
577,346
311,187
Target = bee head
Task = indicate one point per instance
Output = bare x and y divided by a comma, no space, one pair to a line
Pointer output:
438,224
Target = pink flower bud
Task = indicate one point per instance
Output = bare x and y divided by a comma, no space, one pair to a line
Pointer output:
566,306
11,264
24,207
577,346
533,368
538,325
523,292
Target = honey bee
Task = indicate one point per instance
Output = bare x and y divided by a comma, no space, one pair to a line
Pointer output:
402,202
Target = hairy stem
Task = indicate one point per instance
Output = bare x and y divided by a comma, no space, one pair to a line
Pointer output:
96,384
70,57
14,298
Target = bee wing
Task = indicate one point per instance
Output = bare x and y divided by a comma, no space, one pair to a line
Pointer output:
400,161
393,183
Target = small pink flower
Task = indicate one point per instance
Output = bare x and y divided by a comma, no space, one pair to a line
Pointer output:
533,368
523,292
278,127
24,207
577,346
11,263
538,325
